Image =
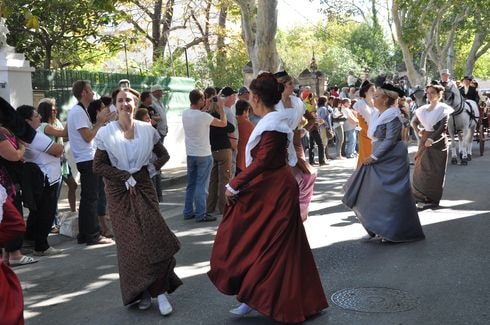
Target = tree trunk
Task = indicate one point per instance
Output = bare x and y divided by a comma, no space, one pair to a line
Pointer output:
265,44
220,42
475,52
261,45
49,56
413,76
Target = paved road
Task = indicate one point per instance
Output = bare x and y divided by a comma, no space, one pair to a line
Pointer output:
442,280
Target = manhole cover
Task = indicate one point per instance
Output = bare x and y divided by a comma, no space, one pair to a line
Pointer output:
374,300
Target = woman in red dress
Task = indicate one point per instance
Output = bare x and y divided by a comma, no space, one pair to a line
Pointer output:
11,300
261,253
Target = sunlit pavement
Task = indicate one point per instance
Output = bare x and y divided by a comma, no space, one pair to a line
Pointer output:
446,276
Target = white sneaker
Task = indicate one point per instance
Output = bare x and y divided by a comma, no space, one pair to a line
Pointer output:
241,310
145,301
163,304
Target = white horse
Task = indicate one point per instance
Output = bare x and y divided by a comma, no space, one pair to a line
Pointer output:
462,121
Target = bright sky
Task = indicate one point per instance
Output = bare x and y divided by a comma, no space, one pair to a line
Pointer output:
291,13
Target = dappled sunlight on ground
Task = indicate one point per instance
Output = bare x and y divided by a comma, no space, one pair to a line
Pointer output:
192,270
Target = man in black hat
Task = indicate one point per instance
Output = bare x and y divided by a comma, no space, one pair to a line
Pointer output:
468,91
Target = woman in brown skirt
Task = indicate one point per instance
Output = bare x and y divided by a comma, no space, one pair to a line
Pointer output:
430,121
145,245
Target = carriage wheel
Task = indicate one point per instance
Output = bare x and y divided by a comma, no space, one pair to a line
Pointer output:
481,135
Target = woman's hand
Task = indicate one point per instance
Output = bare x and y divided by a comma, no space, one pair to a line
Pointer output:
368,161
428,143
230,198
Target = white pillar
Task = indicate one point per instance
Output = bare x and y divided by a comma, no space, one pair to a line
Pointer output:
15,78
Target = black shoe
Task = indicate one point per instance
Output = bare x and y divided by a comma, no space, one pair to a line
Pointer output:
189,217
206,218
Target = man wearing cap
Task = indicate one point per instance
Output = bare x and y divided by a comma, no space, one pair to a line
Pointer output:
244,94
156,96
468,91
229,96
447,83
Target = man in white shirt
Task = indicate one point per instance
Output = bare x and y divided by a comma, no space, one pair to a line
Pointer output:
81,133
199,159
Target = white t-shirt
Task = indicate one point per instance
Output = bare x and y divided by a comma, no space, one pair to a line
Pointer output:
230,117
78,119
196,129
36,153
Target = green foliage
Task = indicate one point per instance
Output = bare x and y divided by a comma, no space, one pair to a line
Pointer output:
339,47
336,62
370,48
228,73
56,33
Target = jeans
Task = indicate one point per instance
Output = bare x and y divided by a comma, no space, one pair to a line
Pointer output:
198,171
350,143
88,221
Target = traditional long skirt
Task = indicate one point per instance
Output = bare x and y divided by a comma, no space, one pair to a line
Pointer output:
305,176
365,146
430,170
11,299
262,255
380,196
145,245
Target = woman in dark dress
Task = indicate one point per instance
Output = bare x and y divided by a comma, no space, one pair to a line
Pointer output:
430,121
145,244
261,253
379,191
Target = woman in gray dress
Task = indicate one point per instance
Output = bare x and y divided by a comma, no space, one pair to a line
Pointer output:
379,191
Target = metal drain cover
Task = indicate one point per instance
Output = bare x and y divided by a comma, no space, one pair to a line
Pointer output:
374,300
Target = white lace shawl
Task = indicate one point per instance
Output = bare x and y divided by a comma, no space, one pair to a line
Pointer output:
124,154
430,118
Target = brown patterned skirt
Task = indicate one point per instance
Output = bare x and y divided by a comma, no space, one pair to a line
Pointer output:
145,245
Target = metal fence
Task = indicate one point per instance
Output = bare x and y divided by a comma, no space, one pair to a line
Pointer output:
58,83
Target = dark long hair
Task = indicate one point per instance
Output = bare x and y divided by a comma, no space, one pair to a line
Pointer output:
44,109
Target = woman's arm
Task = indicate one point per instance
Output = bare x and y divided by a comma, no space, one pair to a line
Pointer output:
439,128
393,131
55,132
102,166
162,155
8,152
310,120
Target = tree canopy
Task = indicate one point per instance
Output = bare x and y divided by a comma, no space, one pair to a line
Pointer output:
57,33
